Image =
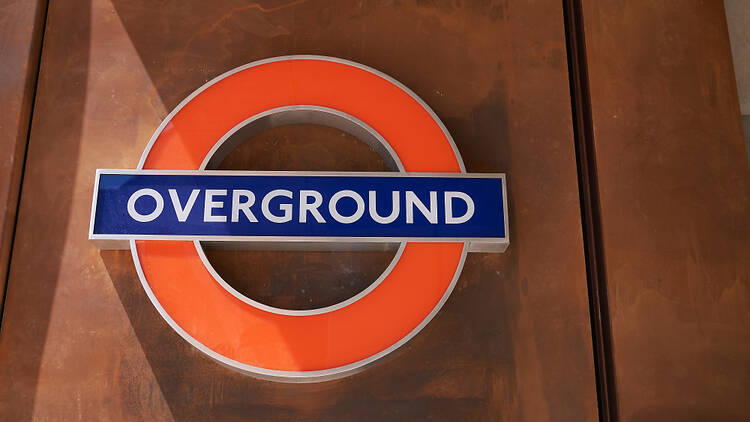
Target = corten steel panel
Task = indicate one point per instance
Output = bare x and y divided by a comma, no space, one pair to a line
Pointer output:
20,40
82,341
675,208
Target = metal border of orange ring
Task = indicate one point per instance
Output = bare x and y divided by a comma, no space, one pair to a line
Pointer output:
289,346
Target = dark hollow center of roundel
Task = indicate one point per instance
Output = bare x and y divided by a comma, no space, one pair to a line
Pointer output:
301,280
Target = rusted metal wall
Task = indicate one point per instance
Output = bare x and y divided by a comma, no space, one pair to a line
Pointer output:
674,190
21,23
80,339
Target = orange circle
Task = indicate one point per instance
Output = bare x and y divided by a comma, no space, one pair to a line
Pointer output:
250,338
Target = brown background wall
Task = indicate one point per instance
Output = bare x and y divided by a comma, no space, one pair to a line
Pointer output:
21,24
80,339
674,185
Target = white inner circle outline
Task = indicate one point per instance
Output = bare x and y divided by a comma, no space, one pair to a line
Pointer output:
375,140
297,376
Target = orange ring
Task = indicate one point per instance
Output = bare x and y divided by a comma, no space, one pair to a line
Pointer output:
290,347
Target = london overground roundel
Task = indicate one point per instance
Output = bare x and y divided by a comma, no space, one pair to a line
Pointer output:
172,202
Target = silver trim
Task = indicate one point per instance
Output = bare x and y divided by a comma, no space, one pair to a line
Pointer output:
505,212
300,246
302,173
298,376
292,312
289,115
478,244
94,200
301,114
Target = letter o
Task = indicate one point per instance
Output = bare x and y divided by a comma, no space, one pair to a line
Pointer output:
346,194
141,218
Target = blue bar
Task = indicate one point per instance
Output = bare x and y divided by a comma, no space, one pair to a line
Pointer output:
116,188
